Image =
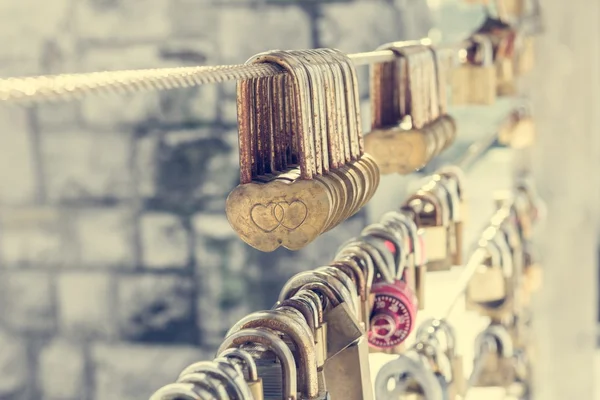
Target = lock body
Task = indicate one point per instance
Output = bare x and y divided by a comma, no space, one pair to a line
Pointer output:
347,375
401,151
393,315
474,85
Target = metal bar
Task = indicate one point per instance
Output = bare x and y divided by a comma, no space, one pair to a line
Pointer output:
476,150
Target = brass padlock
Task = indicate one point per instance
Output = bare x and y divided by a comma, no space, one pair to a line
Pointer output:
432,214
416,271
409,121
489,284
347,373
474,81
504,60
494,352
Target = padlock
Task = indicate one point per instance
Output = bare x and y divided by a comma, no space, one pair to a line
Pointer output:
347,371
294,187
488,285
394,243
449,193
253,380
352,268
343,328
403,137
235,374
393,316
432,214
431,328
417,260
494,354
364,261
300,336
387,264
456,177
474,81
382,258
406,375
431,352
275,345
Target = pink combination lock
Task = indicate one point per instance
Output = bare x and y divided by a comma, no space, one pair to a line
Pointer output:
393,315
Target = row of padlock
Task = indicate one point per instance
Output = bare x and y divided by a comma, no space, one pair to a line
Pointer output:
315,342
432,369
304,165
500,287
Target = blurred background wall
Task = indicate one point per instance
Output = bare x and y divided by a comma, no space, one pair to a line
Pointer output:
117,264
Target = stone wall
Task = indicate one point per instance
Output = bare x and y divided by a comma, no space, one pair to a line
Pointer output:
117,265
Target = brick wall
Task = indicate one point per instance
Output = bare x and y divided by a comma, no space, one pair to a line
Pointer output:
117,265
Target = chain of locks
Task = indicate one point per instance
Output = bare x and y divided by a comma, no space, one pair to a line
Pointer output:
305,167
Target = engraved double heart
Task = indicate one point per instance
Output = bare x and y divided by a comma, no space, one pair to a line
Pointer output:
268,217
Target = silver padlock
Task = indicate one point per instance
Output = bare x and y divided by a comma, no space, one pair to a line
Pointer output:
275,345
432,328
252,379
494,354
234,380
343,328
433,216
405,374
298,333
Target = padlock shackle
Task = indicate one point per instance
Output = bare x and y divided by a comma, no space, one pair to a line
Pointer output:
308,280
433,326
299,333
426,198
301,105
274,343
384,232
411,368
454,172
351,268
376,255
246,359
364,260
502,338
235,373
342,283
